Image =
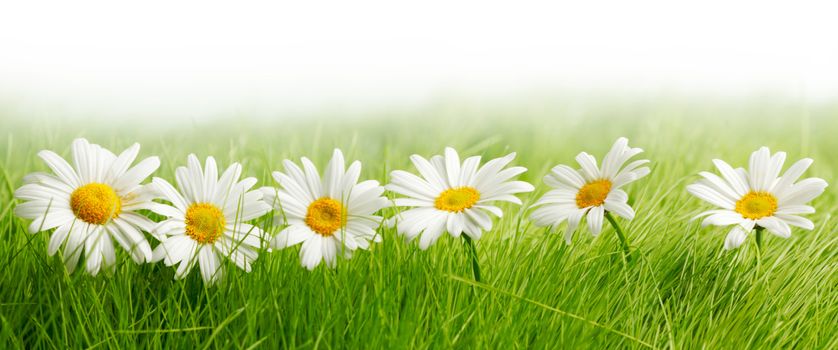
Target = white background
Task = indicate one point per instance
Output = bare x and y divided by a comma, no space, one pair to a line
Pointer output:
193,59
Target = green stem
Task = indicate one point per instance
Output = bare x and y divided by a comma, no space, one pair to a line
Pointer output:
620,234
472,250
758,230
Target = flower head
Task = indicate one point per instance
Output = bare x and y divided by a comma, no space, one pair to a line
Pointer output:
206,220
758,197
590,191
90,204
453,196
330,215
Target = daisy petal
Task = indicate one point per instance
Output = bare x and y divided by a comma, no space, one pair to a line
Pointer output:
735,237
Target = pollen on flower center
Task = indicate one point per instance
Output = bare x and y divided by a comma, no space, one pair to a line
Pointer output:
95,203
593,193
457,199
756,205
204,222
325,216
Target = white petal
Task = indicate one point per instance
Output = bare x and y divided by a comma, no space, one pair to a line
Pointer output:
58,238
292,235
735,237
617,196
791,175
295,189
552,215
311,253
620,209
776,226
469,170
504,189
721,186
312,177
108,253
130,239
226,182
454,225
490,208
52,219
568,176
795,220
411,222
589,167
710,195
803,192
723,218
93,251
795,209
614,159
432,232
350,177
61,168
169,193
333,176
427,170
329,247
411,202
84,160
210,180
737,182
187,254
775,165
122,162
758,168
209,264
452,167
595,217
74,246
133,177
479,217
489,171
572,222
37,208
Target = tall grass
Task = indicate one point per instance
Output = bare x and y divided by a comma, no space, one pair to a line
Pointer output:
682,291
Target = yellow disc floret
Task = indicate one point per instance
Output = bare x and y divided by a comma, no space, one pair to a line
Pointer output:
204,222
593,193
325,216
95,203
457,199
756,205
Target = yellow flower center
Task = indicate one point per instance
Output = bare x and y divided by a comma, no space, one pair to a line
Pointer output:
593,193
95,203
325,216
204,222
457,199
756,205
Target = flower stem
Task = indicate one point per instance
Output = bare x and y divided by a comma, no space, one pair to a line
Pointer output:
758,233
472,250
758,230
620,234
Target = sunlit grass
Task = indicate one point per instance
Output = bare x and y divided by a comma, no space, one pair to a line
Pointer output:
682,291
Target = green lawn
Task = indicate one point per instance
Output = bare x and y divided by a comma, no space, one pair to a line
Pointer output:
682,291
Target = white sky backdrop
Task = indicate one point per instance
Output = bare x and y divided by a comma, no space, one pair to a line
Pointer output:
196,58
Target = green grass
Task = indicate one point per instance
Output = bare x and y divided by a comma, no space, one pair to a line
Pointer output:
682,290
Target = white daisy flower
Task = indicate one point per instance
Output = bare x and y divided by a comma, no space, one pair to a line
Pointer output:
206,221
758,198
590,191
452,196
90,203
329,215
